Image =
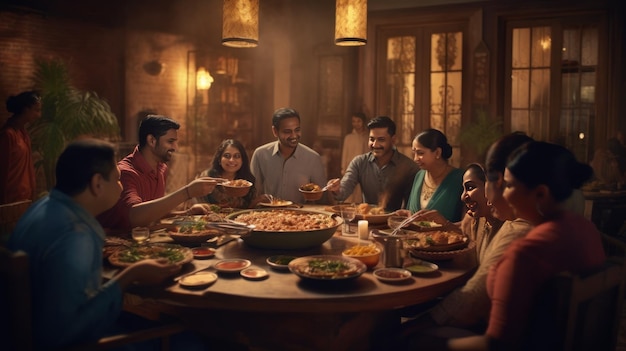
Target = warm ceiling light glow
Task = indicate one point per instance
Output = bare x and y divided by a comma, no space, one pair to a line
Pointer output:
203,79
240,23
351,22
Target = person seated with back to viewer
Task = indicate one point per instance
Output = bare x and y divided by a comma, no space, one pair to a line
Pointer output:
384,173
64,244
143,176
282,166
539,176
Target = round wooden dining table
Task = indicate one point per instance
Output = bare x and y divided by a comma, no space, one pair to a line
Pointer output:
286,312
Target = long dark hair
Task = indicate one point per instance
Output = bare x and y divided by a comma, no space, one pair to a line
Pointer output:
243,172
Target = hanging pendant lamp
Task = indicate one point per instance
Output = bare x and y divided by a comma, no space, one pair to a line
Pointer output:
351,22
240,26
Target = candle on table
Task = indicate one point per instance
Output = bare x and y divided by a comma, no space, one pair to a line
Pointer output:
363,230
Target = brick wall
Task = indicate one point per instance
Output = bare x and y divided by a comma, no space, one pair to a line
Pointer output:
104,59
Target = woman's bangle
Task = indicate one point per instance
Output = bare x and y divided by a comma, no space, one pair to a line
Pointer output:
187,190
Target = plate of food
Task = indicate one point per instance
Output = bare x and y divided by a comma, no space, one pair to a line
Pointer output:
203,252
232,265
372,213
392,275
327,267
422,267
280,262
198,280
126,256
423,226
442,255
276,203
437,241
254,273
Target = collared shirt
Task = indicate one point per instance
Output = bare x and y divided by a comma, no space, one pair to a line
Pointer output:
64,246
281,177
388,185
141,183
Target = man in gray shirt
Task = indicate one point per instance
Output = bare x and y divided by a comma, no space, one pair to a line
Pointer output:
282,166
385,174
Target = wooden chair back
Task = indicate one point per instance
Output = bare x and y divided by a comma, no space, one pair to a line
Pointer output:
16,313
9,215
578,312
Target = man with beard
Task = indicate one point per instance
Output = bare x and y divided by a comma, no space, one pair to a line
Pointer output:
143,176
385,174
282,166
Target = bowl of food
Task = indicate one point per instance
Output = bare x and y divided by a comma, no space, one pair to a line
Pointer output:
282,228
237,187
311,191
368,254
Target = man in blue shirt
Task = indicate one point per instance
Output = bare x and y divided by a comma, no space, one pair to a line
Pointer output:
64,243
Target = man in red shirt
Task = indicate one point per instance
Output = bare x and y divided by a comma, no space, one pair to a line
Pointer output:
143,176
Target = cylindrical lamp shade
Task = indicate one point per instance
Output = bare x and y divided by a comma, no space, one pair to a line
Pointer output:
240,26
351,22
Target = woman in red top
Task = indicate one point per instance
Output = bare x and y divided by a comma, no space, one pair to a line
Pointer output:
17,173
538,178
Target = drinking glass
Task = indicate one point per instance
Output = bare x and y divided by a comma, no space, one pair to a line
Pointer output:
348,213
141,234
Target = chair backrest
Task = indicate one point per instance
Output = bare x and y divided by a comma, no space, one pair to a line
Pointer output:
9,215
578,312
15,301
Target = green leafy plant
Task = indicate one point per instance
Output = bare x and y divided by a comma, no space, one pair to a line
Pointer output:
481,133
67,113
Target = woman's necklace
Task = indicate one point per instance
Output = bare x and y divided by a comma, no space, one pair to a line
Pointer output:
427,189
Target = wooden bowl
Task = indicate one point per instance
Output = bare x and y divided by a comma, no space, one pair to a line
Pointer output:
237,187
311,195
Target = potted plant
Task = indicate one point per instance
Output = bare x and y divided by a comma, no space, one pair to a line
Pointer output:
480,134
67,113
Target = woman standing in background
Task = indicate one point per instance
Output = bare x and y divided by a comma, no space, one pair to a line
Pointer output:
354,144
17,172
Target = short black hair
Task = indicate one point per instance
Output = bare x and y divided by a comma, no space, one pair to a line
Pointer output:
382,122
155,125
282,113
80,161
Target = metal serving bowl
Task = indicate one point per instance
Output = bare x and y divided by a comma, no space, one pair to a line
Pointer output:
289,240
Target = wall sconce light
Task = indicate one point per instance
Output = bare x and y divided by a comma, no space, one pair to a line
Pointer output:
240,23
351,22
203,79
